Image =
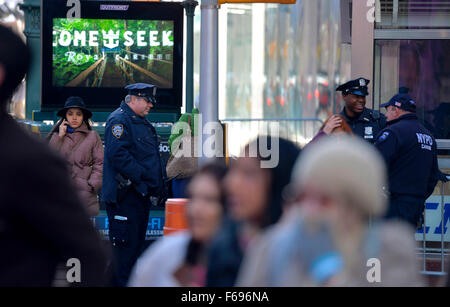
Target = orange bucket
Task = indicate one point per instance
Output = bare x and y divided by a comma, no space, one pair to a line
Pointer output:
175,215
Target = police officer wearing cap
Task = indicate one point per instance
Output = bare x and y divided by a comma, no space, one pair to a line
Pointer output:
364,122
133,177
409,150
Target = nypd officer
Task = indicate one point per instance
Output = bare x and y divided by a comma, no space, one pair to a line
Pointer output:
409,150
133,176
364,122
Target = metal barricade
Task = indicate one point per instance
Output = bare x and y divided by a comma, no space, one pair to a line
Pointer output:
243,130
434,249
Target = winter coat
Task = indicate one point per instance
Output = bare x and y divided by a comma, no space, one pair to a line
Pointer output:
83,150
225,256
157,265
270,261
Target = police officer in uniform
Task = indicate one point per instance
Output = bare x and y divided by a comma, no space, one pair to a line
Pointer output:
409,150
364,122
133,176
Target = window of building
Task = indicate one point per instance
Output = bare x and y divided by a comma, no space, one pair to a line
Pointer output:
423,66
413,14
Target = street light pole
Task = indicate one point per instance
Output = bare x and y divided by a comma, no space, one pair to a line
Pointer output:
208,68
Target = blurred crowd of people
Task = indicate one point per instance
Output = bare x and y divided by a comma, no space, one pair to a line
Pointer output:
314,220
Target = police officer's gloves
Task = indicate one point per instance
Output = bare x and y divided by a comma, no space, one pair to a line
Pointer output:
444,177
159,201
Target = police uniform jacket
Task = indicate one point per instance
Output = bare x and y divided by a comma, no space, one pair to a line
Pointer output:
367,125
131,150
409,150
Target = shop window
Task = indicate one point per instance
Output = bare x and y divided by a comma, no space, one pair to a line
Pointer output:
423,66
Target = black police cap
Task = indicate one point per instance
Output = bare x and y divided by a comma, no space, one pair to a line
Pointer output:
356,87
144,90
401,100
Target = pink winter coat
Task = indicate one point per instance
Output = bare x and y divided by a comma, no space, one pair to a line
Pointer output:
85,162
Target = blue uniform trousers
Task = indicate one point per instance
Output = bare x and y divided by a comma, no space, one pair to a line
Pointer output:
127,236
406,208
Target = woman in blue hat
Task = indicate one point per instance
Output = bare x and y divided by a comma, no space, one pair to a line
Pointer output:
82,147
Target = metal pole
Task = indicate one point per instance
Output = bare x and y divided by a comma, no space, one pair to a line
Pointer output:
424,238
189,6
442,226
32,10
208,68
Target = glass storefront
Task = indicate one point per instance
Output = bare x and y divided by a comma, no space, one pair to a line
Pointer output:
279,62
423,66
413,14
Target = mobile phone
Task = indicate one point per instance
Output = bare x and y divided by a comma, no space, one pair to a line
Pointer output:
69,129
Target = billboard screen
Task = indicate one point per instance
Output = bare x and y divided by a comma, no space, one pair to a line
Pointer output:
112,53
111,45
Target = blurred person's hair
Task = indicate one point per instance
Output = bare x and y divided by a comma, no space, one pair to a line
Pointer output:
15,59
344,127
344,168
216,170
279,175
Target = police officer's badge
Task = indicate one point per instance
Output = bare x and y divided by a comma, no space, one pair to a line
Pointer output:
362,82
368,132
383,137
117,130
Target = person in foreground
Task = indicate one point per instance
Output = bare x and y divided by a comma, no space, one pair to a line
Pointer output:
255,203
333,236
42,221
180,259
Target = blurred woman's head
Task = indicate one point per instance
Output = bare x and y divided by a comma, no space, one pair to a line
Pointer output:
255,192
338,179
207,202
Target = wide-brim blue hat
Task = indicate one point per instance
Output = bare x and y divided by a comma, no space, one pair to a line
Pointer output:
75,102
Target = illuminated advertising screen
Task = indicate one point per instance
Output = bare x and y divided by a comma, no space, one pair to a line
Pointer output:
112,53
112,45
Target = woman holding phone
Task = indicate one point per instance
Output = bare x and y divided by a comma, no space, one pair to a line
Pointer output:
82,147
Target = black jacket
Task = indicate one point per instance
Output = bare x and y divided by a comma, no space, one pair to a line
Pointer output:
131,150
225,257
409,150
42,222
367,125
